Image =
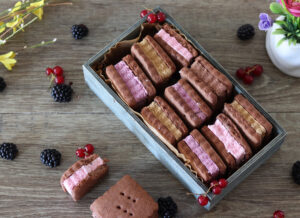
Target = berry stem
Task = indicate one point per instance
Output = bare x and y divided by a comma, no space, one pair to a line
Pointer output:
250,70
205,194
148,9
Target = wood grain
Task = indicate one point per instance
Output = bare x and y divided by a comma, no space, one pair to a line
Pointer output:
29,117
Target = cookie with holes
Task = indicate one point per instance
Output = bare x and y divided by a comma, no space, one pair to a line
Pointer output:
125,199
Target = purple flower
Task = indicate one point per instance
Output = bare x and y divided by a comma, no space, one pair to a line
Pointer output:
265,22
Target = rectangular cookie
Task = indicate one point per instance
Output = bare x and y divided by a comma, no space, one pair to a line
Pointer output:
252,124
203,158
125,199
203,89
154,60
164,120
226,138
83,175
188,103
131,83
179,49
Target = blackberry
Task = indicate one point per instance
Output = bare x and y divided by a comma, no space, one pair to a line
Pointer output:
62,93
8,151
167,208
246,31
296,172
2,84
50,157
79,31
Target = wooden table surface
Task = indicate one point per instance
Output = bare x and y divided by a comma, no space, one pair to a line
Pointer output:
30,118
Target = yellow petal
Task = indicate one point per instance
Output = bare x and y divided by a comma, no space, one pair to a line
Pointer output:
10,54
38,12
8,60
17,7
2,27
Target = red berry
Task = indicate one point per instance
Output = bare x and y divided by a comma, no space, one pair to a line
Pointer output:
152,18
240,73
49,71
258,70
80,152
89,148
144,13
161,17
58,71
203,200
278,214
248,79
214,183
217,190
223,183
59,80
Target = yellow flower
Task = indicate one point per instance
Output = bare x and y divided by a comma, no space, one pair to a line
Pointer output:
16,7
38,12
15,23
8,60
2,27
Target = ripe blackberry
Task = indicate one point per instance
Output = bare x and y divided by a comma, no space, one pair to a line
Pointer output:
2,84
8,151
62,93
296,172
246,31
50,157
79,31
167,208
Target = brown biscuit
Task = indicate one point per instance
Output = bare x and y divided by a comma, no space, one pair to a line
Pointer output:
220,148
186,112
203,89
217,74
125,199
88,183
195,162
254,113
153,121
179,59
148,65
123,90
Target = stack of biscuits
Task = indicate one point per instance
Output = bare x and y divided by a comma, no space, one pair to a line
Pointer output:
200,114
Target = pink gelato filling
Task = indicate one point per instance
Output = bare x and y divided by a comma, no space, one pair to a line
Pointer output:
81,174
211,167
231,145
190,101
173,43
132,82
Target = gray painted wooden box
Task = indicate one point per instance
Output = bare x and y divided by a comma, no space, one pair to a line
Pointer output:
154,144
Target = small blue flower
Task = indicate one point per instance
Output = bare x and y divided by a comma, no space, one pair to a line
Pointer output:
265,22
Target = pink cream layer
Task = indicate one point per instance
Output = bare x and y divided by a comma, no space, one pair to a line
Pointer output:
231,145
81,174
173,43
132,82
190,101
211,167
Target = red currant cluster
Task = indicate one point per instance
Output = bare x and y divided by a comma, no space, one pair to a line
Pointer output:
153,18
86,151
56,74
216,188
248,74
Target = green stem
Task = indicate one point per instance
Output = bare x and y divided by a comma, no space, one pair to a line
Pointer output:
42,44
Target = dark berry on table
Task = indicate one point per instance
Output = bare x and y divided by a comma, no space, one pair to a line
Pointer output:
62,93
161,17
49,71
58,71
144,13
2,84
245,32
223,183
296,172
278,214
80,152
8,151
240,73
152,18
50,157
167,208
79,31
202,200
258,70
59,80
217,190
248,79
89,148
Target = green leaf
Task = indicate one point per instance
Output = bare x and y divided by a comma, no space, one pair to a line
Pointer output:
280,22
276,8
279,32
290,42
281,41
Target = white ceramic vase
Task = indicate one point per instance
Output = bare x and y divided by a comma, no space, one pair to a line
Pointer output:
285,57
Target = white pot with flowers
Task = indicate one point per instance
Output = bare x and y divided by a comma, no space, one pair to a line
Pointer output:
283,35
